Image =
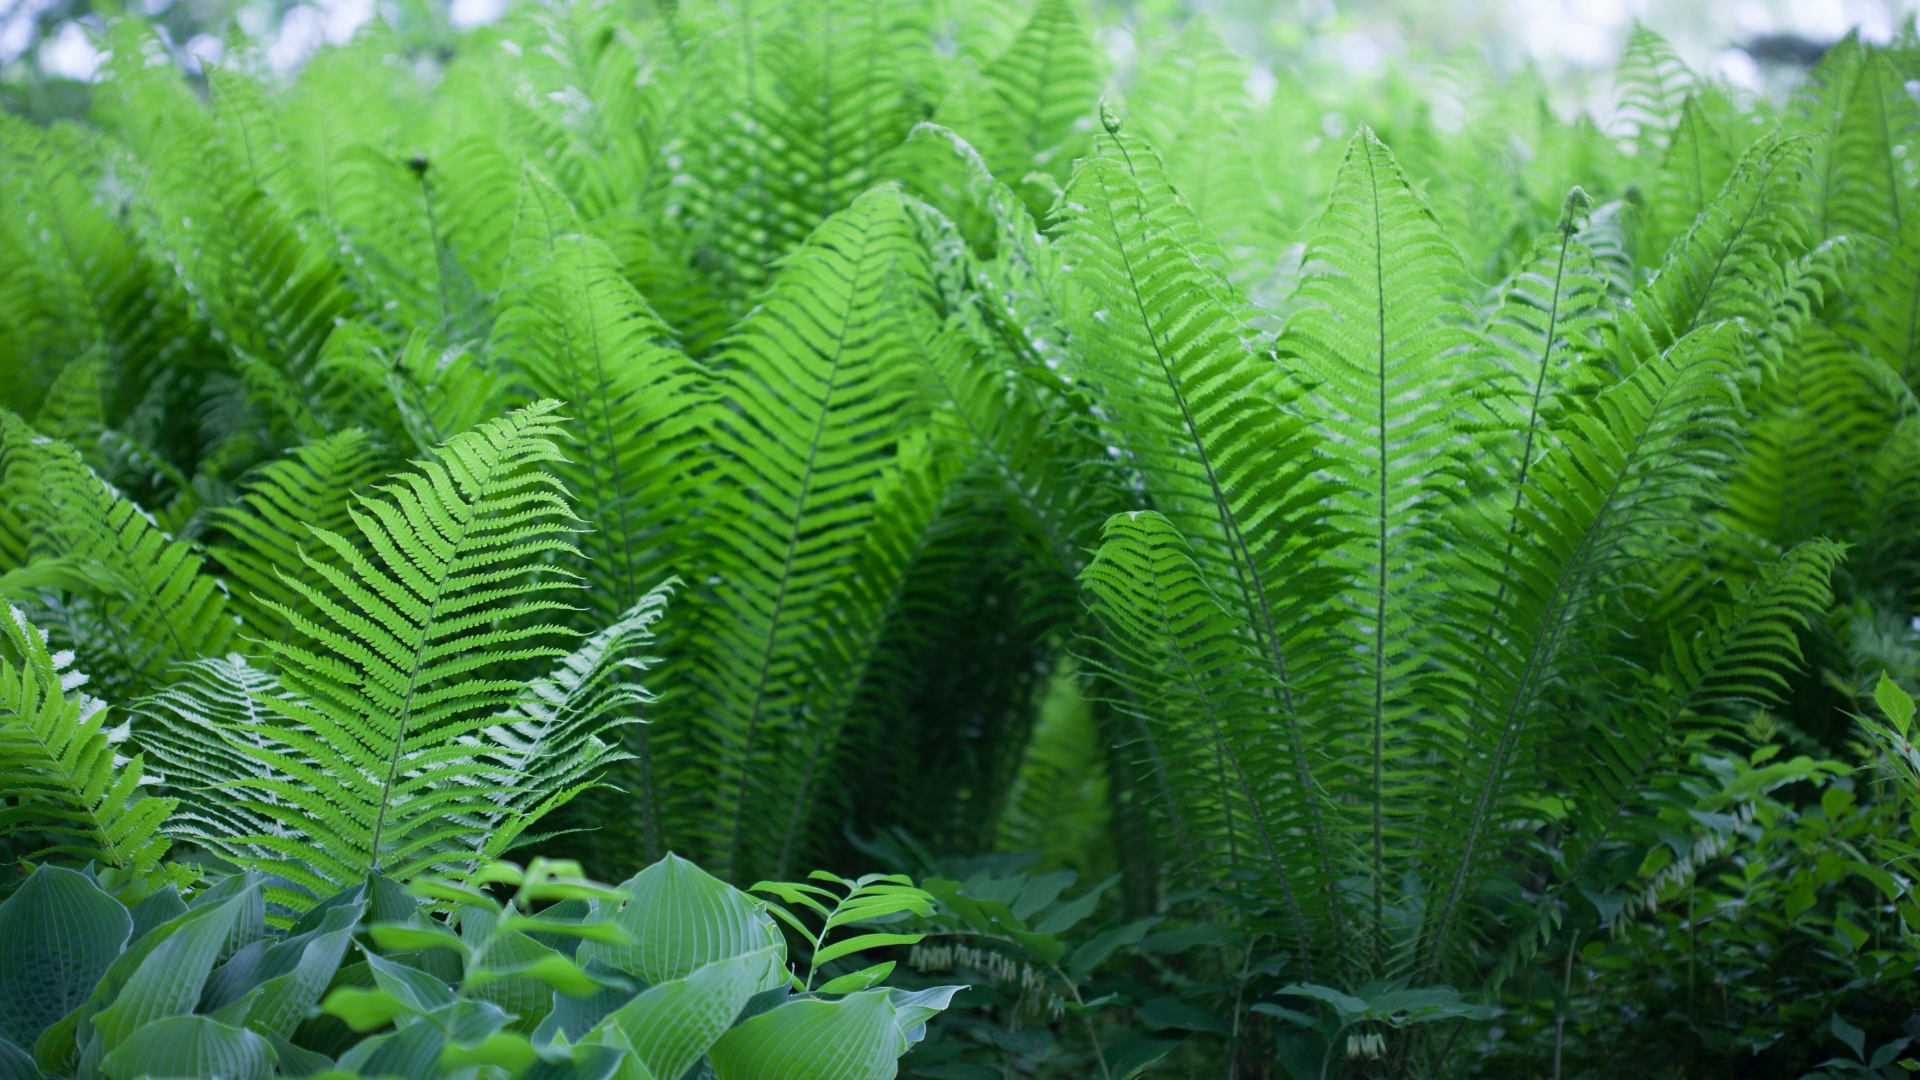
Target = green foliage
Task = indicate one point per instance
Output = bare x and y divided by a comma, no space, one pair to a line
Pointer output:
62,778
465,979
1374,520
372,758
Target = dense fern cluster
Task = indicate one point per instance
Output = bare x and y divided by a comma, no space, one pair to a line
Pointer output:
1387,517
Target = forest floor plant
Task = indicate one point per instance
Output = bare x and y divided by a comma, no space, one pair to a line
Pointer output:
1444,561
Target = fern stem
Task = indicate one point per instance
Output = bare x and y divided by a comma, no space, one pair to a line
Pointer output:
1380,589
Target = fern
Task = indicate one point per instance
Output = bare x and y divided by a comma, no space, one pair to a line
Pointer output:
827,87
313,488
808,549
158,606
1382,327
1736,652
574,329
1733,262
59,772
360,765
1199,412
1652,84
558,741
1191,105
1031,109
1629,468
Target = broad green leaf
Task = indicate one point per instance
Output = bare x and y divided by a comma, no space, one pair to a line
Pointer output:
17,1064
859,980
190,1046
670,1026
285,999
681,918
855,1038
1896,703
862,943
58,935
168,981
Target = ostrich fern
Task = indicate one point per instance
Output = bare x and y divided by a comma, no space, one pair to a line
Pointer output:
1405,500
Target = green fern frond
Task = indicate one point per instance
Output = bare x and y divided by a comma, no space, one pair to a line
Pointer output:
1383,328
828,89
1202,416
1732,264
59,774
270,293
815,384
1705,146
1818,420
262,550
1206,690
573,329
204,733
161,608
1864,114
71,276
420,622
74,410
1633,465
346,126
1652,83
1191,104
1045,90
568,728
1736,653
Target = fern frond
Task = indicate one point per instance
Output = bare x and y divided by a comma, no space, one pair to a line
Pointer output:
1045,88
566,730
59,774
1201,415
1736,652
1206,691
381,194
573,329
1633,465
1732,263
1383,327
1651,83
1863,113
1191,104
204,735
1704,148
161,607
270,293
72,277
828,90
815,385
74,410
420,623
262,551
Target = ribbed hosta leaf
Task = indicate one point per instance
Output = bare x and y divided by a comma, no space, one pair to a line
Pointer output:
190,1046
670,1026
855,1038
681,919
59,933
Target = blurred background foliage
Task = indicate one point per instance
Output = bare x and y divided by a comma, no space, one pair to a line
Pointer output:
49,49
